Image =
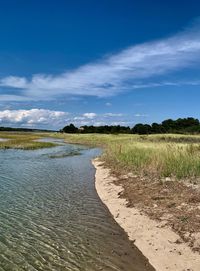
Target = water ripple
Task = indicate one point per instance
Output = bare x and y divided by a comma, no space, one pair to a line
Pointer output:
51,217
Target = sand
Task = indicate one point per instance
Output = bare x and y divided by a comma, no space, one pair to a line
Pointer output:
159,244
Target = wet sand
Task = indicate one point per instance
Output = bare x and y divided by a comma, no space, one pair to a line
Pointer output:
159,244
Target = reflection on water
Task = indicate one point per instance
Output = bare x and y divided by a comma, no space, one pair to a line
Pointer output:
51,217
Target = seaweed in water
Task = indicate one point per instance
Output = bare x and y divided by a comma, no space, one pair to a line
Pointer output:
62,155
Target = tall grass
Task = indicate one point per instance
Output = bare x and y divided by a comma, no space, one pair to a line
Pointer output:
159,159
153,155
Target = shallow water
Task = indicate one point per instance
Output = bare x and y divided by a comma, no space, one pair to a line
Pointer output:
51,217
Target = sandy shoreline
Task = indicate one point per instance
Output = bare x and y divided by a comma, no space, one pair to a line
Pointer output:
156,242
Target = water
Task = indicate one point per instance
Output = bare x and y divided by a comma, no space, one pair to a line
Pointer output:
51,217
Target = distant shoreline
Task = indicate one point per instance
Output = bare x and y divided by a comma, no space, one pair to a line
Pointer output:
157,243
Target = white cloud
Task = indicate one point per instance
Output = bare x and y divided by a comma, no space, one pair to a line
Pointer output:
113,115
94,116
49,119
114,74
108,104
32,117
100,119
79,118
140,115
89,115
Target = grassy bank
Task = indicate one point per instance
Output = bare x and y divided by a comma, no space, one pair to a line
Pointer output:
155,155
26,141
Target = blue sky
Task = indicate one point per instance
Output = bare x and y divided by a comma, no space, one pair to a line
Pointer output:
98,62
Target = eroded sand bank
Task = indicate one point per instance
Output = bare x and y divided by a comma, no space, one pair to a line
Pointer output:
158,244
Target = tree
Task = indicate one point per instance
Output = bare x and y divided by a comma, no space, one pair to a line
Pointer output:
70,129
181,125
141,129
169,125
157,128
186,122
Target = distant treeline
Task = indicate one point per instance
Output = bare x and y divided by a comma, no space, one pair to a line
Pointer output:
181,126
8,129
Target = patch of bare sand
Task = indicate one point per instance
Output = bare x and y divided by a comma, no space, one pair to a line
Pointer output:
158,243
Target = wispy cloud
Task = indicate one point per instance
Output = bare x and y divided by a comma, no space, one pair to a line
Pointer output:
101,119
138,115
114,74
113,115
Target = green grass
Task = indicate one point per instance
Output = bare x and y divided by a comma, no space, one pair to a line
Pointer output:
26,141
153,155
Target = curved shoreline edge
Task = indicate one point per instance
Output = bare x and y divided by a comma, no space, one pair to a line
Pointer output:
158,244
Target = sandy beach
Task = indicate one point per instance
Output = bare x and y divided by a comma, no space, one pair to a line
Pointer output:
158,243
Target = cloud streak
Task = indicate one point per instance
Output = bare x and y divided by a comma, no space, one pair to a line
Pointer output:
113,74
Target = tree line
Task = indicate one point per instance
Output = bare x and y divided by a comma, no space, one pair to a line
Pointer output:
11,129
181,125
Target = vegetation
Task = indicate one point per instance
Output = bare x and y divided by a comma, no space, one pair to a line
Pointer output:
152,155
26,141
157,156
70,129
181,126
11,129
146,153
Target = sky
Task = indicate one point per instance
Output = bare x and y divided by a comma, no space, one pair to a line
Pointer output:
97,62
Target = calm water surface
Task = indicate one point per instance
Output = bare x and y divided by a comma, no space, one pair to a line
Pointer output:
51,217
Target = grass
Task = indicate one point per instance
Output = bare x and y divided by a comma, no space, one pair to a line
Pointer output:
152,155
25,141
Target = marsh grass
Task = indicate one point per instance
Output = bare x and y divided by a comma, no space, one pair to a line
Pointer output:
152,155
26,141
161,160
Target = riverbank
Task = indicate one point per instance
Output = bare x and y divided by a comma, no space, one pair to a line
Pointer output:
158,177
162,246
